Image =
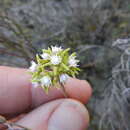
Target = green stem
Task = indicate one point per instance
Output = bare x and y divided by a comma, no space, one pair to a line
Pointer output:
64,91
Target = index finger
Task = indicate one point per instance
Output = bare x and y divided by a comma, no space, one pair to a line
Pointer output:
18,95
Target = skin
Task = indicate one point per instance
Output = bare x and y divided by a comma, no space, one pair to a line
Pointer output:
45,112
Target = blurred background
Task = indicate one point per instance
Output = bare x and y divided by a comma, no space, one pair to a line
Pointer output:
98,30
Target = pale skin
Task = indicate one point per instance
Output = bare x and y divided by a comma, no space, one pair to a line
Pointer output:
46,112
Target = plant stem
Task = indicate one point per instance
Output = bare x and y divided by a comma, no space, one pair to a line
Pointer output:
64,91
10,125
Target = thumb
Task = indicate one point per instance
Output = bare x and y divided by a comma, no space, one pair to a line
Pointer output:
62,114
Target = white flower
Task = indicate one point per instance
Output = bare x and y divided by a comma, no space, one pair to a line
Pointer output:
35,84
45,56
55,60
63,78
72,61
33,66
56,49
46,81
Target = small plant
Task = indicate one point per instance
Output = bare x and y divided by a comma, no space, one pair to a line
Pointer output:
10,125
53,67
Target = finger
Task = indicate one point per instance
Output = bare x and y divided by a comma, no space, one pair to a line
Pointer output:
17,94
62,114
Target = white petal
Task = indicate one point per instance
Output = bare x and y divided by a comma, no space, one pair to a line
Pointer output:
33,66
63,78
35,84
55,60
45,56
56,49
73,62
46,81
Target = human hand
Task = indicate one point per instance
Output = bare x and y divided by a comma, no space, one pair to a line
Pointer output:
50,112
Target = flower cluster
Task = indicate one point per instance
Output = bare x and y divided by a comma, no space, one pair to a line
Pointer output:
53,67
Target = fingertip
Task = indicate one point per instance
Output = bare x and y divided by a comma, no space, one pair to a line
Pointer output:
87,89
70,115
62,114
15,82
75,88
79,89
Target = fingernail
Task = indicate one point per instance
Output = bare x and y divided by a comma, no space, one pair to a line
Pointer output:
70,115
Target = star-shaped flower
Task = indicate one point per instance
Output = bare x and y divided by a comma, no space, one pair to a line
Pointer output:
33,66
56,49
53,67
46,81
63,78
73,62
35,84
55,60
45,56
